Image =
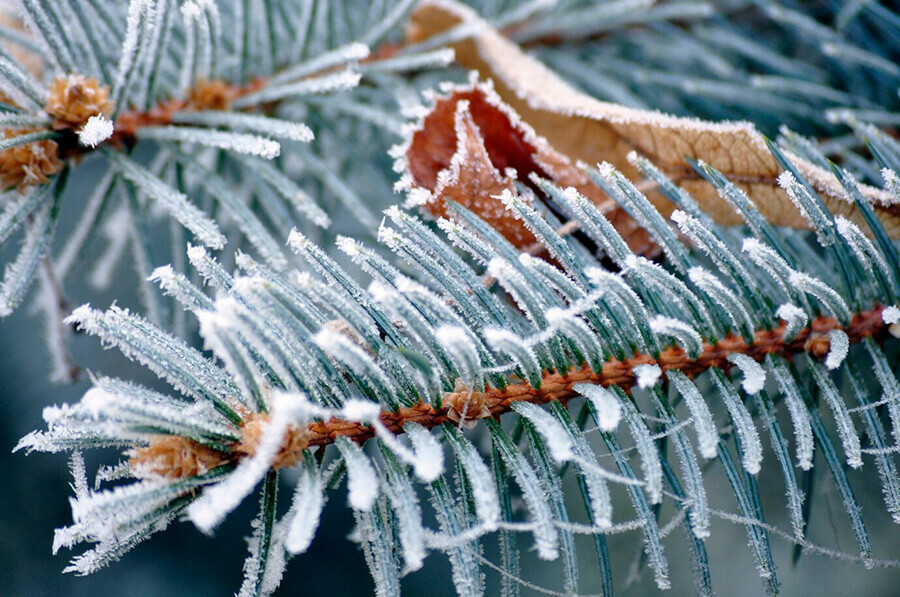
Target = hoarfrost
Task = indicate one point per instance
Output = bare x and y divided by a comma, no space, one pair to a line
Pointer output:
647,375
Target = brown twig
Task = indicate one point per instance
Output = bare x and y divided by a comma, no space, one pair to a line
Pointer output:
128,122
559,386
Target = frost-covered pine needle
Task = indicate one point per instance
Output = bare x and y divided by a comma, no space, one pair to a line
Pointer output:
607,406
219,500
429,458
707,434
362,481
796,319
754,374
309,500
551,430
686,335
838,347
238,142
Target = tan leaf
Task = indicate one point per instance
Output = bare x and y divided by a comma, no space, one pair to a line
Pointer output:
470,147
588,130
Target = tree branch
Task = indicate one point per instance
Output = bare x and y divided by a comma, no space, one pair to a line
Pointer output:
556,386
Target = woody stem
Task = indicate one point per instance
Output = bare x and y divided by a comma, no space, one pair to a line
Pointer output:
559,386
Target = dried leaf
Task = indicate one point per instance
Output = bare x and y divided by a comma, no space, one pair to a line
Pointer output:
588,130
470,147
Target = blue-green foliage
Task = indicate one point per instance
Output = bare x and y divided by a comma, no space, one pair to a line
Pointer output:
426,312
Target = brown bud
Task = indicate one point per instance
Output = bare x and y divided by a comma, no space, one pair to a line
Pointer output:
296,439
818,345
466,406
29,164
211,95
75,98
172,457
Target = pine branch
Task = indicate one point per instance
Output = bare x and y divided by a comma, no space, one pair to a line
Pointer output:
549,299
555,386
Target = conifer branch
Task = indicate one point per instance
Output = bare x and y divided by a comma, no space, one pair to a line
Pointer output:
556,386
588,252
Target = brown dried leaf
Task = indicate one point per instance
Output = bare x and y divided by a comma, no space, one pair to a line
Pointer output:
588,130
471,146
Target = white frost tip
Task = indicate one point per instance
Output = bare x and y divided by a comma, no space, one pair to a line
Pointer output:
96,400
497,267
555,316
297,241
348,246
255,145
891,315
699,275
95,131
428,463
357,51
387,235
843,225
166,277
507,198
196,253
754,374
790,312
190,11
609,411
326,338
79,315
572,194
451,334
595,274
417,197
750,245
526,260
606,170
407,285
838,349
891,181
498,336
361,410
381,292
647,375
786,180
449,227
393,212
